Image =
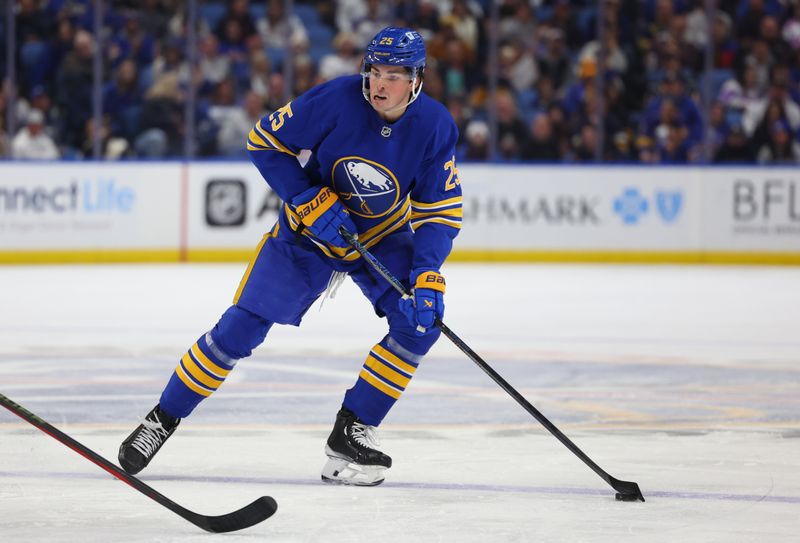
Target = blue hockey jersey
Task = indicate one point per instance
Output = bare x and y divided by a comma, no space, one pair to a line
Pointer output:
389,175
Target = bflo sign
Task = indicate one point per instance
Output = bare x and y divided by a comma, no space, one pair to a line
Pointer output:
766,205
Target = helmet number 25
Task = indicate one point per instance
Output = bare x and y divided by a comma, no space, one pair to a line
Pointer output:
452,178
386,41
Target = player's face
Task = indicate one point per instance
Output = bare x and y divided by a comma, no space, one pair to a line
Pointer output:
389,90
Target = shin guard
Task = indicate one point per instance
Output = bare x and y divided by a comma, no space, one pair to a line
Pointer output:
384,376
198,374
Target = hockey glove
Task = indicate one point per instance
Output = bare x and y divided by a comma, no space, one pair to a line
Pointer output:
426,301
322,213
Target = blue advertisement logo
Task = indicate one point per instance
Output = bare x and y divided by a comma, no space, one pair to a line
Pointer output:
631,205
669,204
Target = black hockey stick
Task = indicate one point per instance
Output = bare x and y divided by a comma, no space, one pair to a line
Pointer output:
250,515
626,490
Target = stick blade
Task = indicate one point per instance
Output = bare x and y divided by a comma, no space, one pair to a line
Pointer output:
249,515
627,491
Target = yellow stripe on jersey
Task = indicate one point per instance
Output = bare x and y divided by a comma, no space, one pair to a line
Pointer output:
194,370
447,212
252,263
273,140
381,351
454,212
256,141
435,205
260,140
191,384
380,385
385,371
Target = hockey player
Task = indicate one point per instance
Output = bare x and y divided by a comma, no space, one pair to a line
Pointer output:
383,167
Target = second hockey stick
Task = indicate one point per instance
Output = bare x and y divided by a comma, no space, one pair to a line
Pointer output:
626,490
261,509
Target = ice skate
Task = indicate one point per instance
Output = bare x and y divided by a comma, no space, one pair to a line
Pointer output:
140,447
352,456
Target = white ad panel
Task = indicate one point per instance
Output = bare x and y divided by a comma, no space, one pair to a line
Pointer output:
752,209
580,208
230,206
89,206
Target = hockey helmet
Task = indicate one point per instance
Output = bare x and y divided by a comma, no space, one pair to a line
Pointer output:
396,46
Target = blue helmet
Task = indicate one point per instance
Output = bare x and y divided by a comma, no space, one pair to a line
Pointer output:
397,47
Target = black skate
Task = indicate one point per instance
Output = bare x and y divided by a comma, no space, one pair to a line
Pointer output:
142,445
352,457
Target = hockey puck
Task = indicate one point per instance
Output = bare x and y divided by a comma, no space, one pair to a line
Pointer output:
626,497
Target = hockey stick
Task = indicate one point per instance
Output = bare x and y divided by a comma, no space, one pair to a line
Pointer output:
626,490
250,515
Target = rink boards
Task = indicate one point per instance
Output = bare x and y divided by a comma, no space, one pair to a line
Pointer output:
218,211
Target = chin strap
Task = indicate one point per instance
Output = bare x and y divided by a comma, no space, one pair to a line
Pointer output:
414,93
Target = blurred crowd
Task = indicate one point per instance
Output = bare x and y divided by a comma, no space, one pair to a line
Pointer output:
652,81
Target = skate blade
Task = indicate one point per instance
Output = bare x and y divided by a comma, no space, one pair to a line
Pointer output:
338,471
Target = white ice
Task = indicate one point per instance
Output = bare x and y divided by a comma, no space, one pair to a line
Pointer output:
683,379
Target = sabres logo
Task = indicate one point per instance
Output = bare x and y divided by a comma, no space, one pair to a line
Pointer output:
367,188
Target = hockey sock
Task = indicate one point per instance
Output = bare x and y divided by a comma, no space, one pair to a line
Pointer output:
198,374
385,375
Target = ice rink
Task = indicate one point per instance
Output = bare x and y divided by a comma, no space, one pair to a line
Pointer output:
683,379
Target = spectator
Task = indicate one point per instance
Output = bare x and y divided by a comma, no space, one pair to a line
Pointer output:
465,25
743,90
542,146
260,70
735,148
233,122
111,148
74,95
673,89
162,119
584,144
171,63
345,60
477,141
781,148
553,57
718,126
349,11
214,65
376,17
132,43
238,13
725,46
122,101
778,92
517,66
32,142
154,18
512,134
791,28
456,76
674,147
305,74
277,29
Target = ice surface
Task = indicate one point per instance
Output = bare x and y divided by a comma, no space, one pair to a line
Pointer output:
683,379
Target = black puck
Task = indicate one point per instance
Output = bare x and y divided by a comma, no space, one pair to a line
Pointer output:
626,497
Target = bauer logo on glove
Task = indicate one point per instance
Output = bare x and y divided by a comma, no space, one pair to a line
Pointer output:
320,210
426,303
